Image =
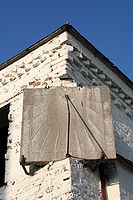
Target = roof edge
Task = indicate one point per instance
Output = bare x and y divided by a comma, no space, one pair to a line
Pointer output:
78,36
97,53
34,46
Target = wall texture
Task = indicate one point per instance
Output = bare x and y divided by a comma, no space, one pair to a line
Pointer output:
126,181
48,66
123,128
85,183
85,67
41,68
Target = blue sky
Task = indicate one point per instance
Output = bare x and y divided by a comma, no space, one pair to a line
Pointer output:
108,25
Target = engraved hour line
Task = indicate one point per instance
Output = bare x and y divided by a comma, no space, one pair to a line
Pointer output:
39,128
56,142
38,114
88,108
90,121
46,138
77,136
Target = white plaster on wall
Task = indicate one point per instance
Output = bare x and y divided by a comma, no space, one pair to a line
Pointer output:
43,68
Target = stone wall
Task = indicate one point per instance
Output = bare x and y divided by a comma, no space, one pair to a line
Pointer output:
85,182
41,68
46,67
52,181
86,68
123,128
126,181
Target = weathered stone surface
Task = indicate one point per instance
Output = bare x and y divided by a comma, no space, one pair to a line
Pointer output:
36,70
81,176
45,124
126,182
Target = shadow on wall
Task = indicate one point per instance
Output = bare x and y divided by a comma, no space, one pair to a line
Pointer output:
4,124
85,181
123,140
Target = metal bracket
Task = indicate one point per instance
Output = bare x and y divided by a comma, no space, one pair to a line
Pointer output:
68,134
22,163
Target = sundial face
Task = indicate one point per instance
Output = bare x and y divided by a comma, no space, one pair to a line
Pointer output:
46,121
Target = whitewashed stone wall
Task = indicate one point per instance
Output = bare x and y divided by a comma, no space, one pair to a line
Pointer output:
41,68
50,182
86,68
123,127
60,57
81,176
126,181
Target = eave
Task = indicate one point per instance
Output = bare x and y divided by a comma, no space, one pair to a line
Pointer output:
70,29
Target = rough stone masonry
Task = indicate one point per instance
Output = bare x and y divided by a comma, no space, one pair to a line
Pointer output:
63,61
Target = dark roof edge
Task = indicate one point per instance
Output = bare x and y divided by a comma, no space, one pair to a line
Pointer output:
97,53
79,37
33,47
